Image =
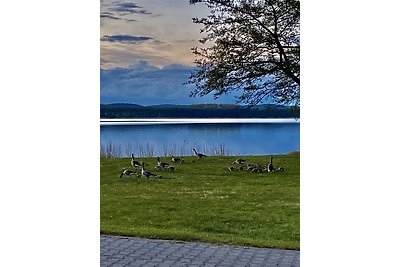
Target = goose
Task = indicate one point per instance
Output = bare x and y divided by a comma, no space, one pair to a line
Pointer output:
134,162
280,169
254,168
170,168
199,155
251,166
127,172
175,159
157,168
231,168
161,164
148,174
239,161
270,168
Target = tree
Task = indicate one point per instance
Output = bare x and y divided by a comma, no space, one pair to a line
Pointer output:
254,49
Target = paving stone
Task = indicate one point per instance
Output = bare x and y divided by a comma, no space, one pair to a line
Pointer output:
122,251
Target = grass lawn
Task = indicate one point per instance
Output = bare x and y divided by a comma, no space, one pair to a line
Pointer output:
204,201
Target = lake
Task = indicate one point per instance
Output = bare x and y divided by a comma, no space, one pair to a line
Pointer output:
163,137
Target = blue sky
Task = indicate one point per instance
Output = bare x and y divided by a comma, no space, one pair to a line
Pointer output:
145,52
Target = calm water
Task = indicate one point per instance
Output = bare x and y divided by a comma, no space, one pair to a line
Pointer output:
178,138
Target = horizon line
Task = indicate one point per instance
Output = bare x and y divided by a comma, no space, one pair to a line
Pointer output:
163,104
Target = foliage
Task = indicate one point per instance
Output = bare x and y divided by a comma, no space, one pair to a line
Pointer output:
255,49
204,201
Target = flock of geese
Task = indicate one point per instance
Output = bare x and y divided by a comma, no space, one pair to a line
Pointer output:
240,164
251,167
160,165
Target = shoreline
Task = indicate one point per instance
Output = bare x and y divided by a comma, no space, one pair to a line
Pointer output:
293,152
153,121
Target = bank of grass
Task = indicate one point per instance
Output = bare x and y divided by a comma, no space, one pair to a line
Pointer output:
204,201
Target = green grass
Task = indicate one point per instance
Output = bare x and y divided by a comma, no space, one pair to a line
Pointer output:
204,201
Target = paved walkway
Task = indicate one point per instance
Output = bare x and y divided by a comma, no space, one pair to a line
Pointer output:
124,251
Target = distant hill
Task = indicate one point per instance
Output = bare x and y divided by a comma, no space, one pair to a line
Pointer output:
124,110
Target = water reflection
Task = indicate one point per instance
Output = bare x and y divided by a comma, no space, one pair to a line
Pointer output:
214,139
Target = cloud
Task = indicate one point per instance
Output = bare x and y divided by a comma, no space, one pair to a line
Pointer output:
120,11
125,38
108,15
146,84
130,8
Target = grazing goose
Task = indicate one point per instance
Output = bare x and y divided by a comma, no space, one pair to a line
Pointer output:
231,168
199,155
134,162
175,159
127,172
239,161
270,168
148,174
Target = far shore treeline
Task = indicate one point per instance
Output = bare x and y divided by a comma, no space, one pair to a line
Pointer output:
121,110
